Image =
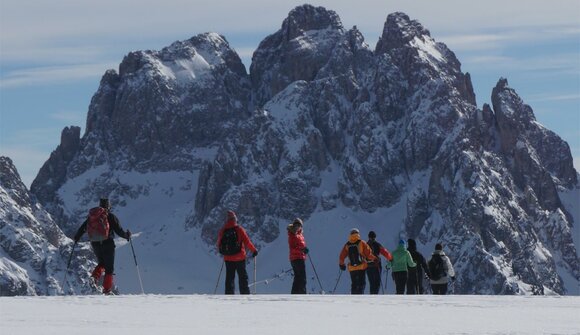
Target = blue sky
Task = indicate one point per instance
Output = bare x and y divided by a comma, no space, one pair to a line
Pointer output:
53,53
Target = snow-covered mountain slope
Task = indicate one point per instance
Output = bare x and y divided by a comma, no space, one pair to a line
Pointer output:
308,315
326,129
34,251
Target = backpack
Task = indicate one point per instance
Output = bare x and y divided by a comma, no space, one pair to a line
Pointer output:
375,246
437,267
98,224
229,244
353,253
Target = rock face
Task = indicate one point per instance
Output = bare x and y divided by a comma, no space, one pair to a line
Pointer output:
324,124
34,250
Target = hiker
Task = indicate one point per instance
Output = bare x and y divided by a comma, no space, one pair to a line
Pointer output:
358,253
440,270
298,252
101,226
232,243
415,274
374,268
401,260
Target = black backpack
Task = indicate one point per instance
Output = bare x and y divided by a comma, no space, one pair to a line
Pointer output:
436,267
375,246
229,244
353,254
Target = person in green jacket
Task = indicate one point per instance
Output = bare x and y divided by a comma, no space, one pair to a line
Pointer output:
401,260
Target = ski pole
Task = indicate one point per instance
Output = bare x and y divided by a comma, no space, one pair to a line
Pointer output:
137,266
219,276
68,266
315,273
255,274
386,279
337,280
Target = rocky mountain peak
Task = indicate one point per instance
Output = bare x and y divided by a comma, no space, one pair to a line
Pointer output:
399,30
10,180
306,18
508,104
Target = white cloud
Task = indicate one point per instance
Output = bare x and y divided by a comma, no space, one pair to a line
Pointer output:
53,74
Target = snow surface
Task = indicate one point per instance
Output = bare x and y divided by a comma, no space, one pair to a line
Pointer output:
285,314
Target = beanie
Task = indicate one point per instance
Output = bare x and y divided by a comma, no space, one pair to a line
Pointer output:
105,203
298,221
354,231
372,234
412,245
232,215
438,246
402,242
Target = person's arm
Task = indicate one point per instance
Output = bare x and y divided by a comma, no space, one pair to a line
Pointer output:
450,271
410,262
82,229
368,252
114,223
386,253
342,256
247,242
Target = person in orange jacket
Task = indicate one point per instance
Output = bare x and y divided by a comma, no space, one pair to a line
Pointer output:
359,254
232,243
298,252
374,269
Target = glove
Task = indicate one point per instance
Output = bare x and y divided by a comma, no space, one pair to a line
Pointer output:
388,266
453,278
342,267
305,251
128,234
255,253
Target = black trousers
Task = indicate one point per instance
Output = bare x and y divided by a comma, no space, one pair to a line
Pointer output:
374,275
412,281
358,282
400,278
240,268
299,283
439,289
105,253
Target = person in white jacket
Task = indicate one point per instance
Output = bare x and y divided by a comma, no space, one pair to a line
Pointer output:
441,270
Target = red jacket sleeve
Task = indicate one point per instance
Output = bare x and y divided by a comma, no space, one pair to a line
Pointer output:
386,253
246,240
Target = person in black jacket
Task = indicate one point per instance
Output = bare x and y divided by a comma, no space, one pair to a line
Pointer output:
103,247
415,279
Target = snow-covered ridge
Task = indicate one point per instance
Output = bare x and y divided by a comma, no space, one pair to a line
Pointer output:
325,129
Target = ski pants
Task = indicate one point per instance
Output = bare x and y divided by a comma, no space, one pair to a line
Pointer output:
412,281
439,289
240,268
105,253
400,278
358,282
299,283
374,275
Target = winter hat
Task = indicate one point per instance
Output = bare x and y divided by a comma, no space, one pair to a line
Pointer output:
412,245
438,246
372,234
105,203
232,215
298,221
402,242
354,231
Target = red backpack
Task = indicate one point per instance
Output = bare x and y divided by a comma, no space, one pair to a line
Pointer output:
98,225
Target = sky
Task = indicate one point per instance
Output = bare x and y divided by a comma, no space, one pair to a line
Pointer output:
53,53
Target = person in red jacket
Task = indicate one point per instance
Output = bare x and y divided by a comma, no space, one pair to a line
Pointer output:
298,252
232,243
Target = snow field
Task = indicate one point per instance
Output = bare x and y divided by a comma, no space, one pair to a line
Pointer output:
286,314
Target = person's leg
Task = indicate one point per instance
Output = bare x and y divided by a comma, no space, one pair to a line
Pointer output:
412,284
400,281
358,282
374,276
242,277
108,254
230,276
299,283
